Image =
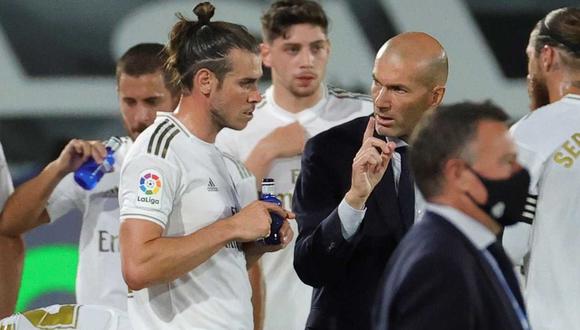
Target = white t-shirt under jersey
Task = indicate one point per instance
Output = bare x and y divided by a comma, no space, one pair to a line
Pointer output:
287,298
181,183
548,141
6,187
81,317
99,279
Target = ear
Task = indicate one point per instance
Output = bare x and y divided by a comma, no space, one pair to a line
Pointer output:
204,80
437,96
548,58
454,173
265,52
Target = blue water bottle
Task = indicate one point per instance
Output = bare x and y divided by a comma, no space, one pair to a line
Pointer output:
269,195
90,173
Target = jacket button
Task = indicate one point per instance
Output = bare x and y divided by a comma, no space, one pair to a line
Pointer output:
331,246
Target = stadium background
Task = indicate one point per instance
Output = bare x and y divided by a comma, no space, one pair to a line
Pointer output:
57,78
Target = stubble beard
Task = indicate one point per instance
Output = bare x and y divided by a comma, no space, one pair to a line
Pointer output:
538,92
299,92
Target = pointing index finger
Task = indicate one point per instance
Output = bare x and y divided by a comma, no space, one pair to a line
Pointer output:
369,131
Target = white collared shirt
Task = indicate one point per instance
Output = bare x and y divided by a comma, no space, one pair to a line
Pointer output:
480,236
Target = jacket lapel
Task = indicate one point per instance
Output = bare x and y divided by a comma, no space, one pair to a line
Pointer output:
486,272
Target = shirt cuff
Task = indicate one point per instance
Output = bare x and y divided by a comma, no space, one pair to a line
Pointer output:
350,219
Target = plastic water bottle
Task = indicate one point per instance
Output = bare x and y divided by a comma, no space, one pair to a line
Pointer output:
269,195
90,173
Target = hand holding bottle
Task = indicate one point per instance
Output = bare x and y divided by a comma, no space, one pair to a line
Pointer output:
76,152
269,195
93,169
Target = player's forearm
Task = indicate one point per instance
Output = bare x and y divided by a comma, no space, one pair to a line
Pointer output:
11,260
165,259
253,254
256,281
26,208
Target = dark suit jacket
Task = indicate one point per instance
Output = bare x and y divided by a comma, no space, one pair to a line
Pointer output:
345,274
437,279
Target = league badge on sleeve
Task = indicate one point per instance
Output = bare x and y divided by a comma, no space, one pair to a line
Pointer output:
150,189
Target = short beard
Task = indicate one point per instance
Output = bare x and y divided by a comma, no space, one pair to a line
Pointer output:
539,95
298,93
217,118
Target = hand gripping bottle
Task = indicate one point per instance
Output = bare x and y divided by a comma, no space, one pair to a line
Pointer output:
90,173
269,195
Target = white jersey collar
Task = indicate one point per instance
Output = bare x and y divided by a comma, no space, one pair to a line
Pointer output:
170,116
303,116
174,120
572,97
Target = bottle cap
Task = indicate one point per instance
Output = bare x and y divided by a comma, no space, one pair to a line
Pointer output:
268,186
113,143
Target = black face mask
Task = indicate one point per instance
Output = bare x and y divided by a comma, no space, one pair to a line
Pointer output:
506,198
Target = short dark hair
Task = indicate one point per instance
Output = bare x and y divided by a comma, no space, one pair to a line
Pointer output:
446,134
194,45
560,28
283,14
145,58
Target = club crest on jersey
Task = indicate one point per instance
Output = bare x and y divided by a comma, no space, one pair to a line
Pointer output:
150,189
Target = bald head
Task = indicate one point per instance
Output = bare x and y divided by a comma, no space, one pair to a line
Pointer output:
409,79
420,49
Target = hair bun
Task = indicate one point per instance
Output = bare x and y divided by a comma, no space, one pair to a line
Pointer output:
204,12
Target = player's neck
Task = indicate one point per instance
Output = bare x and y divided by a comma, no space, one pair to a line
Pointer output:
294,104
573,87
192,113
563,84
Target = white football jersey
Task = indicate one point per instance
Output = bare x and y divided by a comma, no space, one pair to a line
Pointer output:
6,187
548,141
99,278
81,317
181,183
287,298
244,180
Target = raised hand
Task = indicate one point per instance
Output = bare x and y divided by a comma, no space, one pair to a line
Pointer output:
368,166
77,151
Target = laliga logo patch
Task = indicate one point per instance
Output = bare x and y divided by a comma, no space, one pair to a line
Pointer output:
149,193
150,183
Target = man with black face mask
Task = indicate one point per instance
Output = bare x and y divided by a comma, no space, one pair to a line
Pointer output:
548,142
449,271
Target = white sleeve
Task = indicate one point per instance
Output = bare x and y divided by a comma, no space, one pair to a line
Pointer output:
516,242
148,187
6,187
516,238
244,181
350,219
67,196
533,162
